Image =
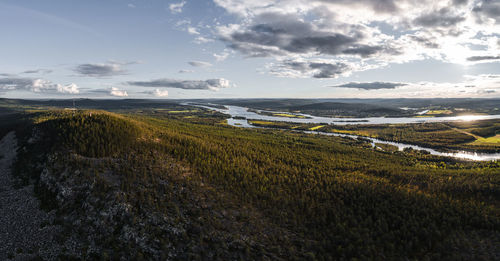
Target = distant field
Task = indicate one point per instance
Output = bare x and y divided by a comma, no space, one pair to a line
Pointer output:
471,136
439,112
317,127
488,141
288,115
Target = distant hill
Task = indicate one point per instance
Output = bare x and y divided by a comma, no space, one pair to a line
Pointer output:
346,108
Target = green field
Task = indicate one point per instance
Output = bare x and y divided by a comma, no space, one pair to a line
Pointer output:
288,115
488,141
433,112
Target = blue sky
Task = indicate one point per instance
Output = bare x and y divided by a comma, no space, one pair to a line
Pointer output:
246,49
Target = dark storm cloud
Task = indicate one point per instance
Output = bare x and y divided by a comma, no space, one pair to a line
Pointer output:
371,85
482,58
281,35
311,69
442,18
210,84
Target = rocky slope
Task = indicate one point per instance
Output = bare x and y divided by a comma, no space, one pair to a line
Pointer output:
135,203
26,231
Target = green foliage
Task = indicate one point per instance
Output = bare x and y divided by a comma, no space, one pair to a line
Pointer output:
337,199
442,136
91,134
330,191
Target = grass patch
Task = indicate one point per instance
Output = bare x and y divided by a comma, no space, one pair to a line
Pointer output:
433,112
262,122
486,141
317,127
288,115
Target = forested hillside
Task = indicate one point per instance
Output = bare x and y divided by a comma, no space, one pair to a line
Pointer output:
162,187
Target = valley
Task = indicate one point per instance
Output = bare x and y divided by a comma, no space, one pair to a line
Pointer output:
144,182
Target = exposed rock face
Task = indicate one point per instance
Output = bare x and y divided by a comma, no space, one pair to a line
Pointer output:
26,231
139,205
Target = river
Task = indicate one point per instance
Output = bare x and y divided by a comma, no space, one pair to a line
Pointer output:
237,111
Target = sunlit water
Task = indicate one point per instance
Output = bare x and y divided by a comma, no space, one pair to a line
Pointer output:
237,111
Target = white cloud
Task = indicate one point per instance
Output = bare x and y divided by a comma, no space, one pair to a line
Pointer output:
473,86
36,85
69,88
176,8
117,92
366,31
160,93
192,30
219,57
202,40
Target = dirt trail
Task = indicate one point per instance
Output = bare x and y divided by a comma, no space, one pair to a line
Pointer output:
25,232
468,133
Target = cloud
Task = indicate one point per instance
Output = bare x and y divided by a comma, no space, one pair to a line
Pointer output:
222,56
176,8
210,84
486,91
487,10
101,69
280,35
192,30
371,85
159,93
36,85
376,32
441,18
428,41
117,92
483,58
69,88
43,71
186,71
305,69
202,40
200,64
130,5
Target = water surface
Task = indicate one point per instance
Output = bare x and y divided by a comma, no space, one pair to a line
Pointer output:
237,111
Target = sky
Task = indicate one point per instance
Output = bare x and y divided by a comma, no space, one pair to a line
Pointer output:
181,49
